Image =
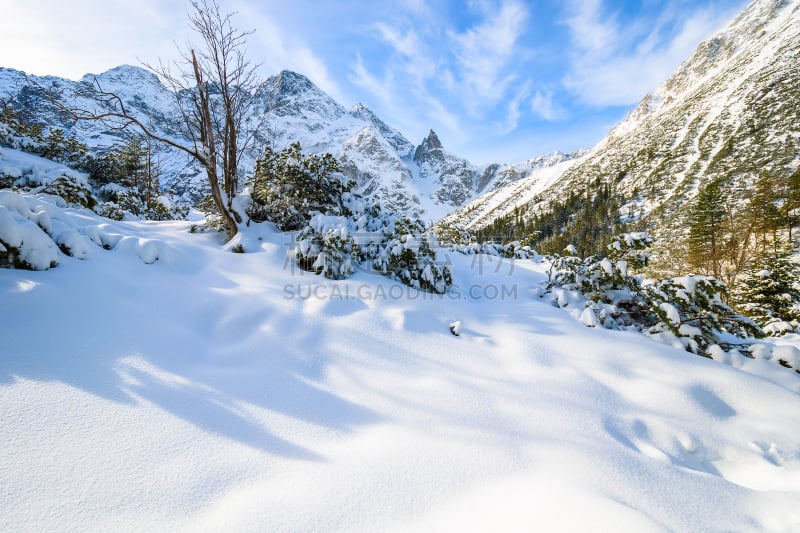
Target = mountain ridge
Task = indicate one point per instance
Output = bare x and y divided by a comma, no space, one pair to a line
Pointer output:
288,108
728,113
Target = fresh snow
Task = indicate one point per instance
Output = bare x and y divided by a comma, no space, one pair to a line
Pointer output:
211,390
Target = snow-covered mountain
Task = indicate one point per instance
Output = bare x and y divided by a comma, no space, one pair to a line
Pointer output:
424,180
729,113
506,187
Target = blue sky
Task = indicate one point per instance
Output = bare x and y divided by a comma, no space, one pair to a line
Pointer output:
498,80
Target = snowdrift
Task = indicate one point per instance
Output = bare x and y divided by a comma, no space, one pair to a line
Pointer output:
162,382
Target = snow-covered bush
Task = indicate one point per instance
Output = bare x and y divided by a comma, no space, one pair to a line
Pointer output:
689,310
287,187
769,293
326,247
24,235
367,235
50,143
459,239
692,309
74,192
68,187
118,202
408,256
603,279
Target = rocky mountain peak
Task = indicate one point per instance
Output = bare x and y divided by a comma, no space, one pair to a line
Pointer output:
430,149
291,94
432,141
290,83
124,74
402,145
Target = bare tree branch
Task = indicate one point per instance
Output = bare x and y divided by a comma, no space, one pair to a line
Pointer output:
213,85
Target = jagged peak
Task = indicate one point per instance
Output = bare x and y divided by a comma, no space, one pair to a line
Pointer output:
290,82
362,111
432,141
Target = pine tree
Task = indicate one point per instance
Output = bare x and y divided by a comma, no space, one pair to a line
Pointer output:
789,185
706,230
287,187
769,292
766,219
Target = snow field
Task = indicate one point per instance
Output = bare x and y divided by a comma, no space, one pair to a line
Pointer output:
210,390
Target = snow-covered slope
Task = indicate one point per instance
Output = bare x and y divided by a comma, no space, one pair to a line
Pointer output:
729,113
510,186
165,383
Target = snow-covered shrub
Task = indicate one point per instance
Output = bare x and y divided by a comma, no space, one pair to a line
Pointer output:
408,256
511,250
367,235
692,308
689,310
459,239
50,143
74,192
24,239
603,279
769,293
326,247
453,235
68,186
118,202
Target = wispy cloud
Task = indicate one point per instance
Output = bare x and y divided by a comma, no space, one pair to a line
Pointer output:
440,69
514,109
364,79
484,51
279,50
543,106
612,63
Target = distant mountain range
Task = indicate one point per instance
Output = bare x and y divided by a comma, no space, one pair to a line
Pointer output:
730,113
424,180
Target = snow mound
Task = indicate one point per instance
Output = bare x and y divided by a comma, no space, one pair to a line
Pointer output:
37,234
23,238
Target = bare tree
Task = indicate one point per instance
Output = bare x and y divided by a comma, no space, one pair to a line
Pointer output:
213,85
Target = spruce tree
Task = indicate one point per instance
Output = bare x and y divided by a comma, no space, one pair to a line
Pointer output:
769,292
706,230
287,187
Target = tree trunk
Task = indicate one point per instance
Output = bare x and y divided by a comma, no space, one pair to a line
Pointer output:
209,161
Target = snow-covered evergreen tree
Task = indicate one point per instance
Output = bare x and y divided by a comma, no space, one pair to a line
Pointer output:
288,186
769,293
368,235
688,309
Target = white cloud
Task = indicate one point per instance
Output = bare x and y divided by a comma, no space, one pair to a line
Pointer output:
542,105
484,51
616,65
